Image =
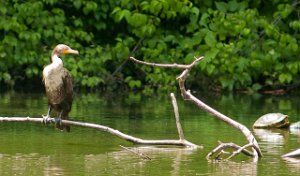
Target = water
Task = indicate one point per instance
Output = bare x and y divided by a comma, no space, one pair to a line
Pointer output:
35,149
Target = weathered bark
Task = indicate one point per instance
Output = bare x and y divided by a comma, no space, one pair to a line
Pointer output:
187,95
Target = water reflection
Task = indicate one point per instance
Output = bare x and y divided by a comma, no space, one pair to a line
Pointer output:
86,152
232,168
126,163
295,128
119,162
293,164
272,139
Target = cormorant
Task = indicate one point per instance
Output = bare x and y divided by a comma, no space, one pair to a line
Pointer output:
58,85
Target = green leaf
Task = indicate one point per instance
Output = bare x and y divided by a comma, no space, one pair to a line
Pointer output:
116,10
256,87
285,78
233,5
210,39
204,19
210,69
77,4
89,7
124,14
293,67
211,54
137,20
227,83
222,6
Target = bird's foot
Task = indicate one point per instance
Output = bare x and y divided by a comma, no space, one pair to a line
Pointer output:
58,121
46,119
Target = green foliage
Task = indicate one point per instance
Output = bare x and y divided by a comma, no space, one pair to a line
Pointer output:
245,45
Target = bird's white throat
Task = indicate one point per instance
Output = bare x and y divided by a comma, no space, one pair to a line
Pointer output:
52,73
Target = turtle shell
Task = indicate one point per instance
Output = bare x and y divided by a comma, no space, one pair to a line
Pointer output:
272,120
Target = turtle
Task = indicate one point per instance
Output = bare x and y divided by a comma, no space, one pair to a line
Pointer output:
272,120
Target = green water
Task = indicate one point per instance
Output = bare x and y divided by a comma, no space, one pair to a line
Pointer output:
35,149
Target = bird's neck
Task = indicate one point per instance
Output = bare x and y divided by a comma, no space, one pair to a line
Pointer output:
56,61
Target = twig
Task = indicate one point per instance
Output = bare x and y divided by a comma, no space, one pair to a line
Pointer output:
141,155
103,128
180,66
131,53
224,146
243,150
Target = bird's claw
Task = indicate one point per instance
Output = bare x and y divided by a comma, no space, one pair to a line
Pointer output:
46,119
58,121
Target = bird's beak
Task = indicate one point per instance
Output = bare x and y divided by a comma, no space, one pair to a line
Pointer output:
70,51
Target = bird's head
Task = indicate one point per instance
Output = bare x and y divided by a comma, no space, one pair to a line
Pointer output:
61,49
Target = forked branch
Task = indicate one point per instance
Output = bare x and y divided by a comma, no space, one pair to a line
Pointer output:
187,95
220,150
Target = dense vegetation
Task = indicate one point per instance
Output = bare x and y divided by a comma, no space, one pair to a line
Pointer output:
248,45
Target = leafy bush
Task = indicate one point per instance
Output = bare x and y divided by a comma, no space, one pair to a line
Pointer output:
245,45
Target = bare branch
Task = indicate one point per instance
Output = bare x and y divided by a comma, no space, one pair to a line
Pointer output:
180,66
103,128
175,107
242,149
223,146
187,95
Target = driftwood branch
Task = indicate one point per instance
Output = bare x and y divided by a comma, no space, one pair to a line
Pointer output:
135,140
178,124
187,95
103,128
220,150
